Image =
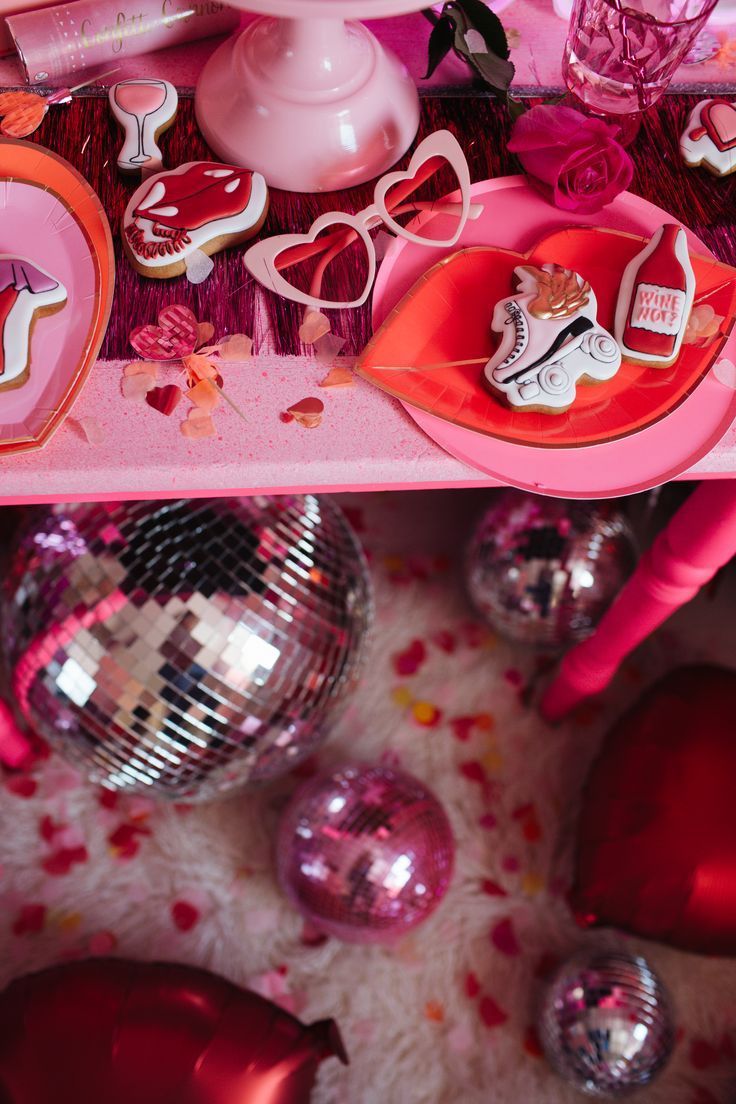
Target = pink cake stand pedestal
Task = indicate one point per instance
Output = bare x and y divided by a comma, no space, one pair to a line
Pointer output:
313,102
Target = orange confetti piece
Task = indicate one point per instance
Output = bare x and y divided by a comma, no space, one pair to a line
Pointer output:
90,429
402,696
532,884
205,333
434,1011
314,326
205,396
307,412
198,367
236,347
14,101
198,425
426,714
338,377
69,922
23,121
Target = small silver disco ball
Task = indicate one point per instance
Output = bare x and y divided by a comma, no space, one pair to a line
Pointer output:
542,571
185,648
606,1023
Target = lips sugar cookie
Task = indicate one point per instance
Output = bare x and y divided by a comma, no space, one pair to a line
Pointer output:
550,340
27,293
201,206
655,300
144,109
709,138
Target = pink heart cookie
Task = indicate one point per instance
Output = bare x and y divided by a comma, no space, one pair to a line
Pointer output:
174,337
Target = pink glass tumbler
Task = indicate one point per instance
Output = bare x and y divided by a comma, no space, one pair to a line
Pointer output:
619,59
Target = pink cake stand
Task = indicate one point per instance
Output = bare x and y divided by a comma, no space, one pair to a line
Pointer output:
311,101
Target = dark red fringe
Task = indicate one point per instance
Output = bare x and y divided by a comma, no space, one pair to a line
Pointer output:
84,132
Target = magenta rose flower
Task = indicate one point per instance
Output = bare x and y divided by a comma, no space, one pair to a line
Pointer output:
575,160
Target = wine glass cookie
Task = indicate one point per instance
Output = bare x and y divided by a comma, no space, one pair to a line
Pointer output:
202,206
27,293
709,138
144,109
655,300
550,341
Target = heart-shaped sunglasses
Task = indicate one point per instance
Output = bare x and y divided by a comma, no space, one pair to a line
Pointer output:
269,258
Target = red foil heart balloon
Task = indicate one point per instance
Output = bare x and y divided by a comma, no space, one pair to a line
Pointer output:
140,1033
656,850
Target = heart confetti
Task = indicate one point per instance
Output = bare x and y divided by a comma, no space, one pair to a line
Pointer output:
23,112
174,337
164,399
307,412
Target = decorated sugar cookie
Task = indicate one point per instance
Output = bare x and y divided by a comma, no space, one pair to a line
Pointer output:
655,300
26,293
709,138
144,109
202,206
550,340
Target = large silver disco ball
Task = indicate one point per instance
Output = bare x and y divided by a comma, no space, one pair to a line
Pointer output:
543,571
606,1023
185,648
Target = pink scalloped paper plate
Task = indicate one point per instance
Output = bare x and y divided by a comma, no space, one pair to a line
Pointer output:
50,216
638,456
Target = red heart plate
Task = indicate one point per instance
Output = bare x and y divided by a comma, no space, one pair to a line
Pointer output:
51,217
445,316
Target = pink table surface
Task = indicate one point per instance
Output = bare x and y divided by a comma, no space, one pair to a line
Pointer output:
366,440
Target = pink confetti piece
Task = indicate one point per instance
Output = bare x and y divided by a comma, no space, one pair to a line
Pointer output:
328,348
137,387
460,1039
503,938
198,425
314,326
141,368
90,429
102,943
488,821
511,864
236,347
184,915
199,267
725,372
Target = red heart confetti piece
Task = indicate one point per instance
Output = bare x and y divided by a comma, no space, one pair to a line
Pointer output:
21,785
62,861
532,1044
491,1013
409,661
504,938
472,985
125,841
184,915
164,399
30,920
493,889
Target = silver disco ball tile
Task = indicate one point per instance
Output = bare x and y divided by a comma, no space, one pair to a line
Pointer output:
185,648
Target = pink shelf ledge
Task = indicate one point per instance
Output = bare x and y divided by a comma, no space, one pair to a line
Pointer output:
366,442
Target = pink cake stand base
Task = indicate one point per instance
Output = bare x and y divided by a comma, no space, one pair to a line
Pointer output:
314,103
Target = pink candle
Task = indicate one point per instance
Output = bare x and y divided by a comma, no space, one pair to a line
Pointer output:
70,38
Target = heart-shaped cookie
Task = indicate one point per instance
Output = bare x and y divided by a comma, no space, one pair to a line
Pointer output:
656,850
720,119
174,337
22,112
431,349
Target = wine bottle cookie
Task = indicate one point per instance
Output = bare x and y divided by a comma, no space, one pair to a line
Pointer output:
550,341
655,300
144,109
27,293
202,205
709,138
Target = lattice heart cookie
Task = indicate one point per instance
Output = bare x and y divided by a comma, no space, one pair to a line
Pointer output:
709,138
202,207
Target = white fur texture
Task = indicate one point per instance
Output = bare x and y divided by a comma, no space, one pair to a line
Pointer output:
219,857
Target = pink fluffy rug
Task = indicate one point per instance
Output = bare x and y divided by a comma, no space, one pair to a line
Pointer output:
447,1016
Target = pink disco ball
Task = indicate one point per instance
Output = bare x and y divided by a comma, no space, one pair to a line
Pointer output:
365,853
184,649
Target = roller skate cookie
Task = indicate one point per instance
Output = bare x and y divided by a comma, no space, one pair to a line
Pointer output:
550,341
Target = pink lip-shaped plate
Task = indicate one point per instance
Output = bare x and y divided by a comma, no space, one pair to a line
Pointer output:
516,217
50,216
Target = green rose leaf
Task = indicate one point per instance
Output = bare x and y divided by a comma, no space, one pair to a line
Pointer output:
441,42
